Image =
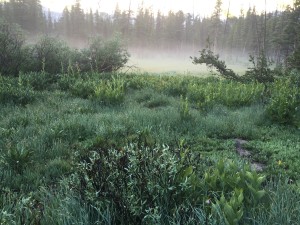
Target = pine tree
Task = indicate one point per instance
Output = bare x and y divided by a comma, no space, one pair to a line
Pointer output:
159,29
77,21
49,22
216,24
90,23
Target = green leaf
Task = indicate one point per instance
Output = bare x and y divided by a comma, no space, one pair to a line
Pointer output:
188,171
229,212
260,194
249,175
241,197
261,179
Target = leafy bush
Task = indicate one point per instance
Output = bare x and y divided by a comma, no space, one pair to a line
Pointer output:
38,80
284,105
135,180
82,88
260,70
103,56
54,56
144,182
13,91
11,42
49,55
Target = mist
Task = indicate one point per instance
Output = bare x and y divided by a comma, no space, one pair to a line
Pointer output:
179,61
162,42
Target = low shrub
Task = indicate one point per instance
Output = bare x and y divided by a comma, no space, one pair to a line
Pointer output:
47,55
82,88
38,80
134,180
13,91
284,105
103,56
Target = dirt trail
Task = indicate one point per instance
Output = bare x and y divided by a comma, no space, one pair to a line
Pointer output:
246,154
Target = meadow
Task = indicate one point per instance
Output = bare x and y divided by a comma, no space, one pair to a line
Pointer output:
122,148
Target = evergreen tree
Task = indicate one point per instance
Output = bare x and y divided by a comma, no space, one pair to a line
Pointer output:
117,19
293,61
189,29
64,25
144,27
49,22
216,24
159,29
77,21
90,23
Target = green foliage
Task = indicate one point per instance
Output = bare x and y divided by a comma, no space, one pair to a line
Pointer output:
89,163
110,92
231,94
184,109
106,56
226,177
52,56
38,81
11,43
241,186
82,88
13,91
284,103
48,55
23,209
135,180
17,159
284,207
293,60
280,154
232,210
160,101
260,70
207,57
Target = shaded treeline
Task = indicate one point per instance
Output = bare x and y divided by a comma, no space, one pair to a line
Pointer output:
278,32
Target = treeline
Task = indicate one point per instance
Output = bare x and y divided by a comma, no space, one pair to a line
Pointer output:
278,32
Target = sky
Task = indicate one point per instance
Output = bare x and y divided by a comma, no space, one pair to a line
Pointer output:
199,7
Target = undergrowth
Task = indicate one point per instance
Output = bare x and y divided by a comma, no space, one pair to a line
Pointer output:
144,149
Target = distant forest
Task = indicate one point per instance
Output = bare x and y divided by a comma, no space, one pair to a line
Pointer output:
278,32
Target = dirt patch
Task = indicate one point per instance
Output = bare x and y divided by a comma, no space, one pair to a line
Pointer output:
259,167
